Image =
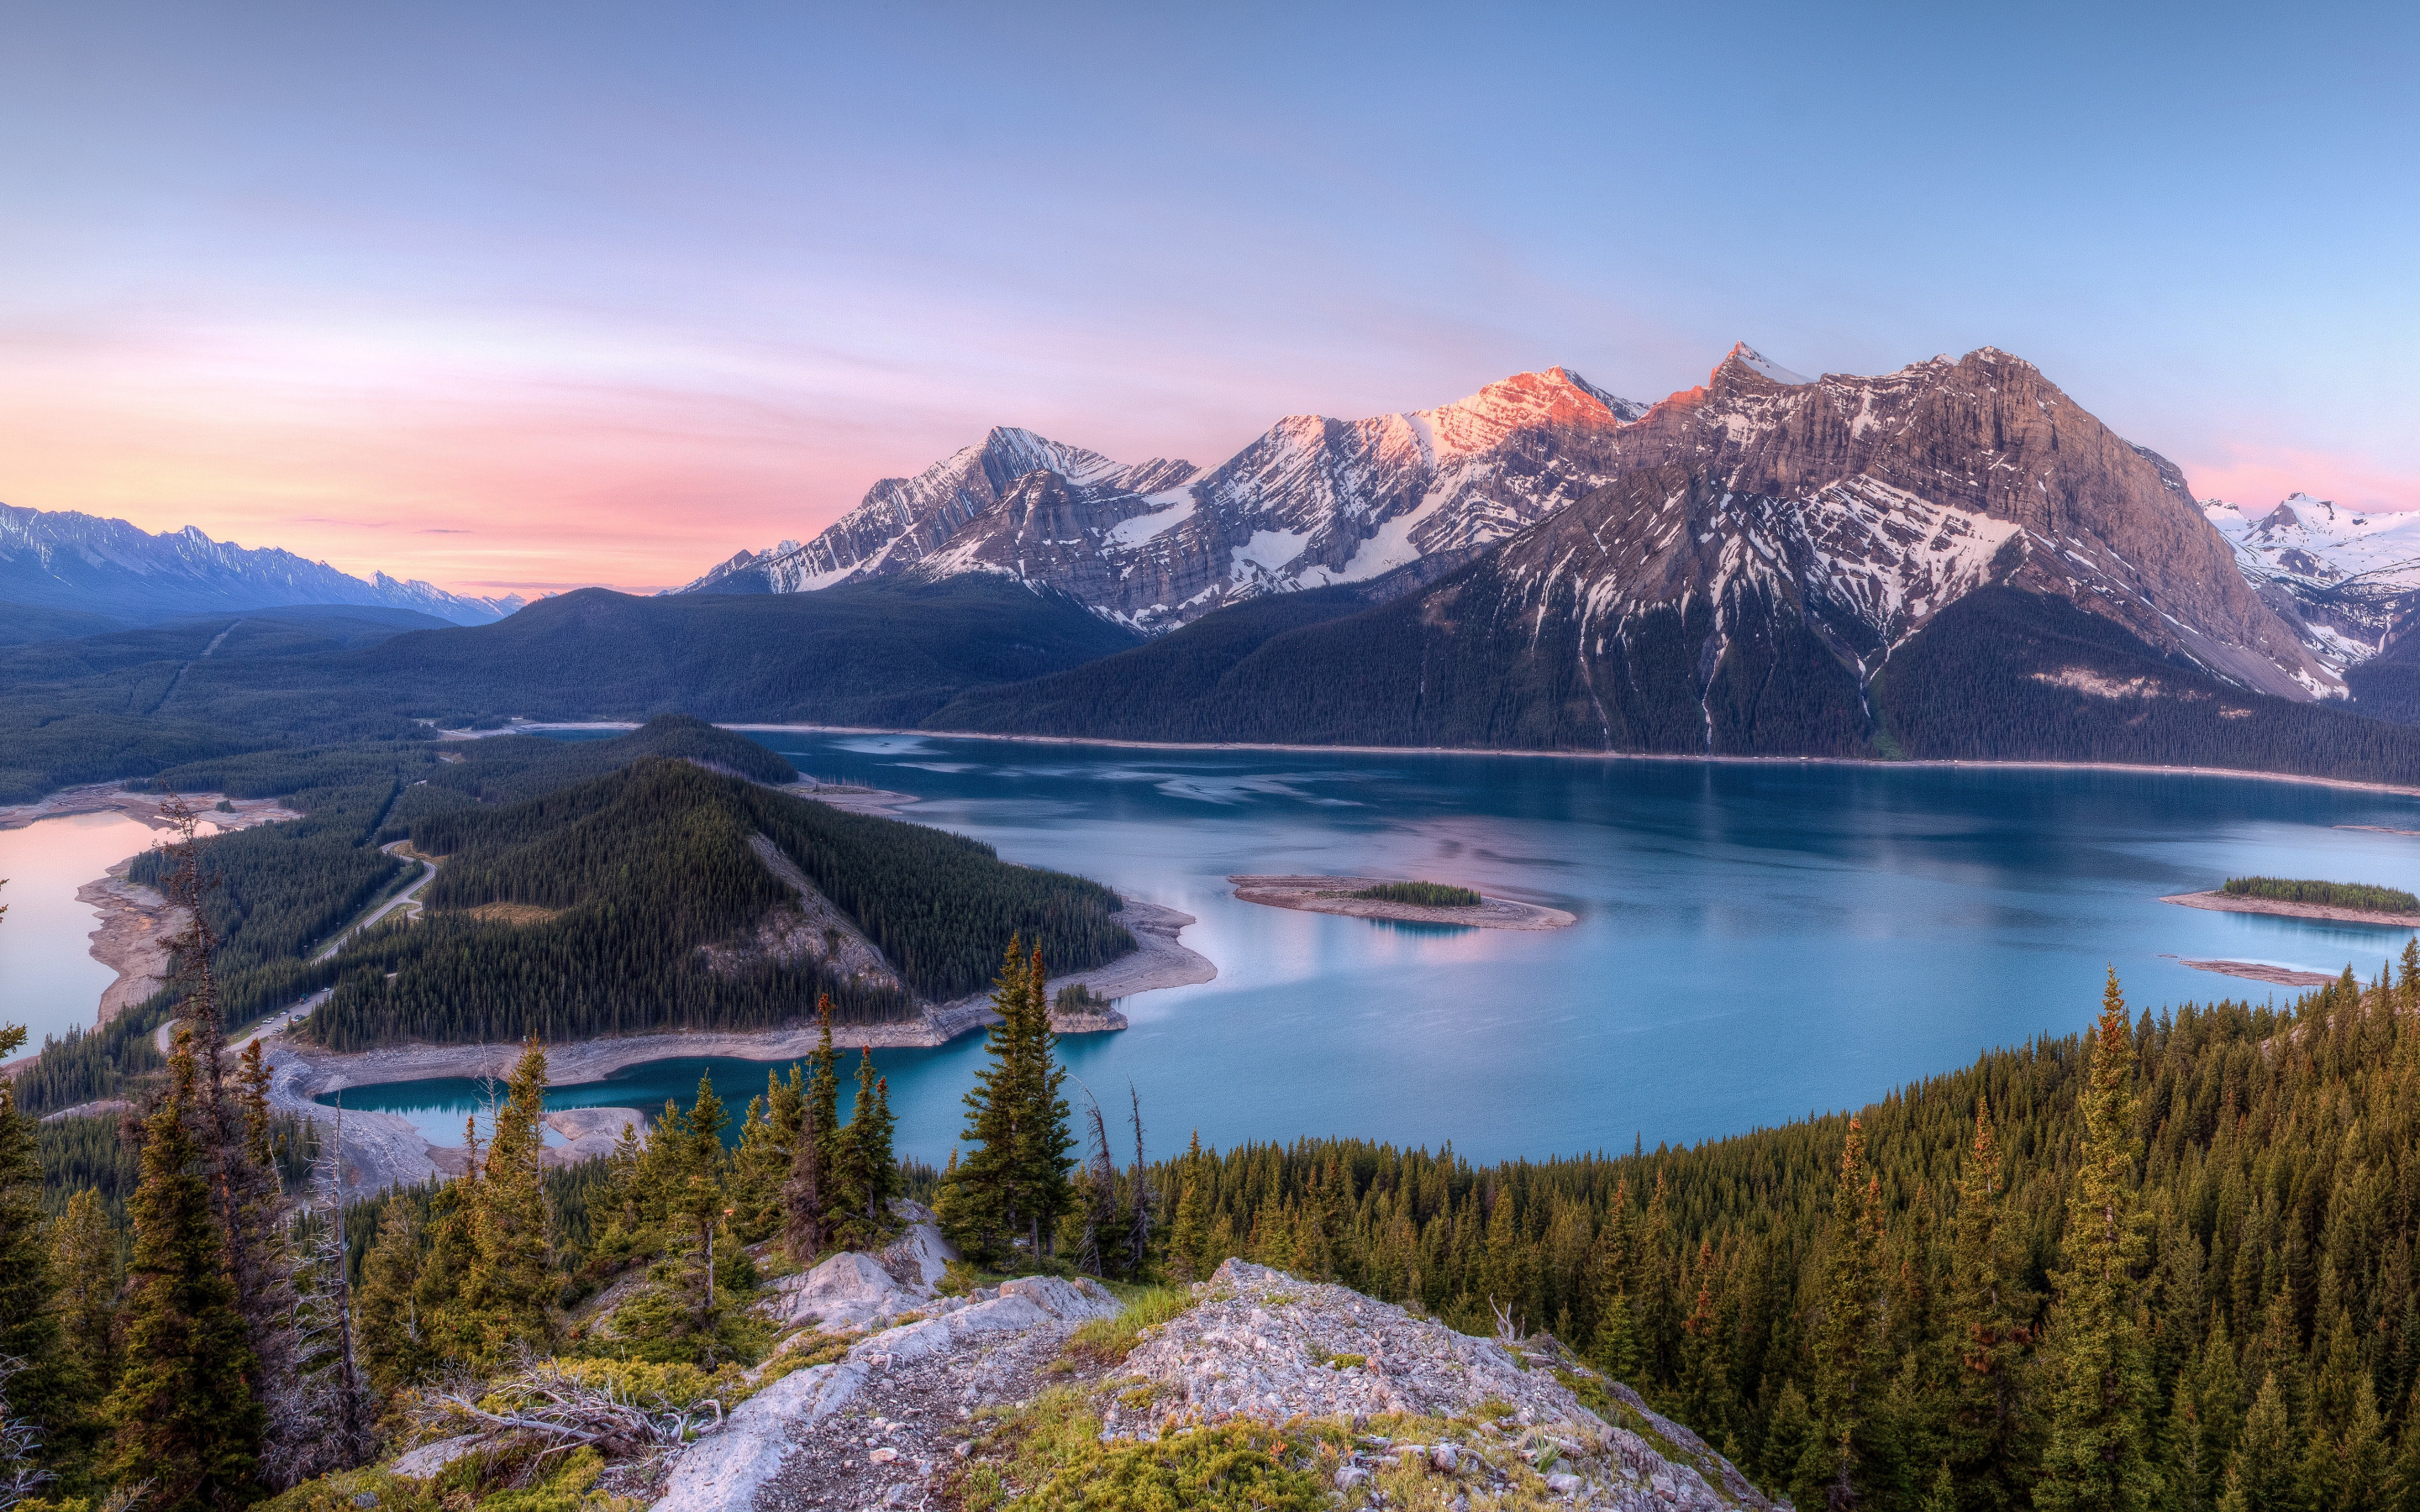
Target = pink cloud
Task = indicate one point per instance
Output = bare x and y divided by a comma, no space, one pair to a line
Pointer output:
2255,475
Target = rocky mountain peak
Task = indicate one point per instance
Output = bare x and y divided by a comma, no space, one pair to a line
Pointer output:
1745,360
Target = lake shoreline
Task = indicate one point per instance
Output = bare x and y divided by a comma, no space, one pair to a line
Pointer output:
1677,758
2227,903
1318,895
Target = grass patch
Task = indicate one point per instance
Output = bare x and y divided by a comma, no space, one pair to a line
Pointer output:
2330,894
1051,1457
1108,1340
1424,894
522,915
1345,1362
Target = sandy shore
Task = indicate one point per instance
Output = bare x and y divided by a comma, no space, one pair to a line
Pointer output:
2260,971
136,924
2229,904
1317,895
108,797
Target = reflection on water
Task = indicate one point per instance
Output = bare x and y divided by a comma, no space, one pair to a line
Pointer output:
49,980
1754,940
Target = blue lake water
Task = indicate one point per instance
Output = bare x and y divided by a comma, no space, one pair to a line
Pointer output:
1755,941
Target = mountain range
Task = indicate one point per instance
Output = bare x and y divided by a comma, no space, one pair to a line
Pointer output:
1760,521
62,562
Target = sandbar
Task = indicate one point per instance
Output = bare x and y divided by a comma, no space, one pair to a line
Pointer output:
1325,895
2260,971
2227,903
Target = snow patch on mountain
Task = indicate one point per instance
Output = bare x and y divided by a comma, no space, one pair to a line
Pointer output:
2351,576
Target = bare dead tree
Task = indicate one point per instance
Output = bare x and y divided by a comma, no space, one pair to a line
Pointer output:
1139,1234
325,1421
1101,1200
19,1442
553,1407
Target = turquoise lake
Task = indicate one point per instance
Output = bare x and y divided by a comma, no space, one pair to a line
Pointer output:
1755,940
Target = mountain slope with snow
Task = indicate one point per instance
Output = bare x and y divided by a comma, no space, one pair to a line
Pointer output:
1314,501
2351,579
64,560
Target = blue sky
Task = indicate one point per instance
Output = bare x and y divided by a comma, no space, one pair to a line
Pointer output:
547,293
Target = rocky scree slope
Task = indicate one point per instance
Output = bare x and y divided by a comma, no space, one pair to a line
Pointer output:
68,560
1313,501
1378,1408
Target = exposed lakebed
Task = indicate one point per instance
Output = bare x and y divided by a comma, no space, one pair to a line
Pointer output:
1754,940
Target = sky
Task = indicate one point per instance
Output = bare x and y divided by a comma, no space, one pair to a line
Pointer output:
530,296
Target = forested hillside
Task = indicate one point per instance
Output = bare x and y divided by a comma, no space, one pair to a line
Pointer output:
877,654
2001,675
2183,1244
589,910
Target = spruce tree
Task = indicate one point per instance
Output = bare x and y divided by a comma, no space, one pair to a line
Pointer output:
1848,1344
1986,1318
2265,1473
696,1199
1042,1138
184,1415
395,1347
2099,1459
807,1197
989,1199
867,1175
83,1249
508,1296
48,1390
1186,1240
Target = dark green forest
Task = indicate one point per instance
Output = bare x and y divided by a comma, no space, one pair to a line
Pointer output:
2334,894
135,704
626,879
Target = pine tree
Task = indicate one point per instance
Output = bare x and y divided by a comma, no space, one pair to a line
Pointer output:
696,1200
449,1329
2100,1382
2264,1475
1187,1239
185,1421
1986,1313
989,1199
868,1173
811,1188
508,1294
1042,1140
1848,1356
84,1250
48,1390
395,1347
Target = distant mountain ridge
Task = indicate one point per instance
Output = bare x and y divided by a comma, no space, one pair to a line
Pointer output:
1882,499
1314,501
64,559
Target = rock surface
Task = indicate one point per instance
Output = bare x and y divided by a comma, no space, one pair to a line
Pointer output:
888,1423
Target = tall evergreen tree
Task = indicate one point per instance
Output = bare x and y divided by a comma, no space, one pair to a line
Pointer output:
83,1249
49,1389
1042,1138
184,1417
394,1347
867,1174
1848,1357
807,1195
991,1196
1190,1235
508,1295
2101,1388
1987,1316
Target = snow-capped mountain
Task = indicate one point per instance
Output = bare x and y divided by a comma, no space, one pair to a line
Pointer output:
65,559
2353,578
1314,501
1881,500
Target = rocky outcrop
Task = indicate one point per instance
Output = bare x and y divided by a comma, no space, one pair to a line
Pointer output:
907,1409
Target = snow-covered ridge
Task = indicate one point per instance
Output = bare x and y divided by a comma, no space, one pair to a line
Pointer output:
1314,501
2351,577
68,560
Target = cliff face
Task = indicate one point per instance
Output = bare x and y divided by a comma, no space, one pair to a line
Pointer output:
1954,456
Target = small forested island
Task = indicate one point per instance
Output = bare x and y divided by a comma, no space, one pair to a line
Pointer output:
1415,903
2352,902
